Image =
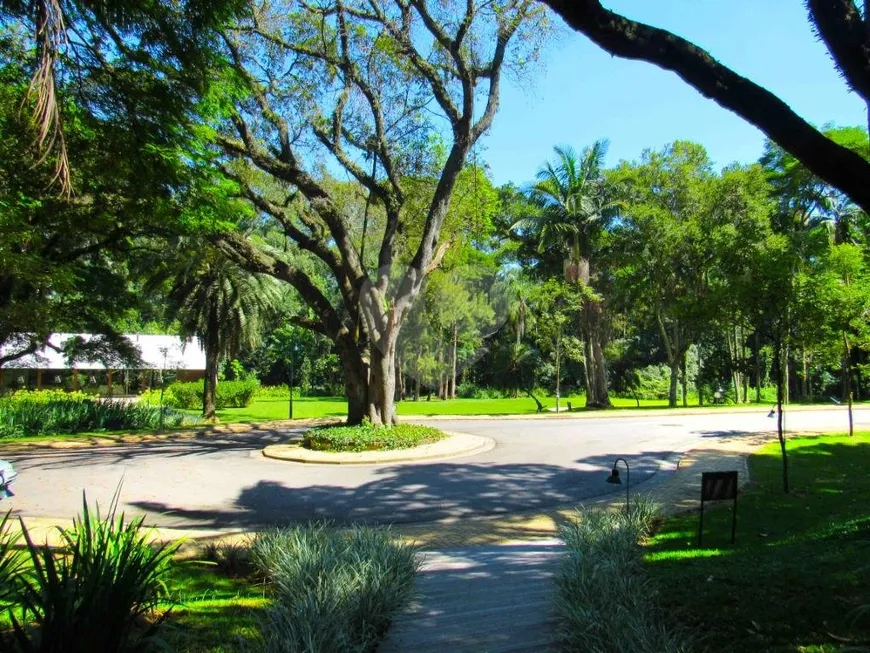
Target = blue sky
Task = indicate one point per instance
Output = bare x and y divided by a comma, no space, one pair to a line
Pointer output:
580,93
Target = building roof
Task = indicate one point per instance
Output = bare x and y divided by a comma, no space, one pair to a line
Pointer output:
181,354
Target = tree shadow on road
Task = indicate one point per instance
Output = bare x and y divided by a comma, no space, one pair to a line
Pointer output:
169,446
415,493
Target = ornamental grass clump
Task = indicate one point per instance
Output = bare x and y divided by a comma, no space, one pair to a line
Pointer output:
99,591
367,437
605,603
334,590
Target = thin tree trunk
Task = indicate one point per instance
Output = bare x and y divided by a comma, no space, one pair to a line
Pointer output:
780,394
453,362
558,369
699,385
784,372
847,354
209,386
685,379
758,366
805,380
672,391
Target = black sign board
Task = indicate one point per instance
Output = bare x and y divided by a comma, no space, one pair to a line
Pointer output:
718,486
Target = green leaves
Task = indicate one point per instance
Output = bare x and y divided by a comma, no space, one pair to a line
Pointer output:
97,593
367,437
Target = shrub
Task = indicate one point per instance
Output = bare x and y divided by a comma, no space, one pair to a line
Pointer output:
230,558
188,396
366,437
334,590
32,414
97,594
277,391
11,561
468,390
605,603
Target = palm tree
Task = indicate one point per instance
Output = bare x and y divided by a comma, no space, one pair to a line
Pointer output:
575,204
224,306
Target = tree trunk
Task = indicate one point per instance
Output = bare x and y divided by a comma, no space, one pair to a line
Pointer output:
209,386
453,362
785,378
400,380
558,369
596,365
848,371
780,395
685,380
672,391
355,379
757,367
382,384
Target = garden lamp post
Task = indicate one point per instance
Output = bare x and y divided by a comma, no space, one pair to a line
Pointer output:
614,478
292,365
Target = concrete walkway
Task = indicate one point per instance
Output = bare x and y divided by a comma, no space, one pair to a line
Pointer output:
490,588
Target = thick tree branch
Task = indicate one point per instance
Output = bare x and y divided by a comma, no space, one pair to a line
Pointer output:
626,38
845,34
242,252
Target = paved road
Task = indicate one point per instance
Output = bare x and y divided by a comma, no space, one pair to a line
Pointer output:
223,482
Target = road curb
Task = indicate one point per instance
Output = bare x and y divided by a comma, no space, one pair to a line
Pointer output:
455,446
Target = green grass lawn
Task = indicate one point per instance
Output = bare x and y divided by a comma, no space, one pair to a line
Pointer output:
270,408
214,613
800,567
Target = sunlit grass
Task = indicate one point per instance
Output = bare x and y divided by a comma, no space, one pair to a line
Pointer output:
276,408
213,612
801,563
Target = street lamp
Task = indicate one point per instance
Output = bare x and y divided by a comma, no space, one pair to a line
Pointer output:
614,478
292,364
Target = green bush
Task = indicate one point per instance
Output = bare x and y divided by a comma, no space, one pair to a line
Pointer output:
11,562
31,413
98,593
605,602
188,396
366,437
333,590
277,392
469,390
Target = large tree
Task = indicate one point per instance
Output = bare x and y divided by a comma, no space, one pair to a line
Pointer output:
575,205
841,25
371,84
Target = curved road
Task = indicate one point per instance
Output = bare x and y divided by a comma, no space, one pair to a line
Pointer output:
223,482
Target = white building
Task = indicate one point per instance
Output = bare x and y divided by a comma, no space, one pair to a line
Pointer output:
176,357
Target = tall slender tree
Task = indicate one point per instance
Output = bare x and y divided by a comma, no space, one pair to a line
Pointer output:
576,204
